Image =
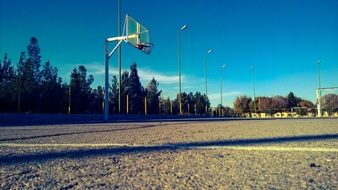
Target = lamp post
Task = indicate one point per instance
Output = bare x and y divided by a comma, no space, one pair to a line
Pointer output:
319,107
179,67
223,67
254,87
119,50
106,77
206,78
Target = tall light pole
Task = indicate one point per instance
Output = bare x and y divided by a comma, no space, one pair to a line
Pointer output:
106,82
223,67
319,107
119,48
206,78
254,87
179,67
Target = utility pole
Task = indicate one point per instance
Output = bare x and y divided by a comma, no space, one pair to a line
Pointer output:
179,66
119,49
319,106
223,67
254,88
206,80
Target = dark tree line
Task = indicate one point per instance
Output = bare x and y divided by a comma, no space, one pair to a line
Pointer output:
33,87
134,97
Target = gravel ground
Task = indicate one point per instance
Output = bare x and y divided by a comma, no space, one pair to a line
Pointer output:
172,155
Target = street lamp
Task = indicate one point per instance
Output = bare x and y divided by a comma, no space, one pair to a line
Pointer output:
254,87
179,68
223,67
319,107
206,78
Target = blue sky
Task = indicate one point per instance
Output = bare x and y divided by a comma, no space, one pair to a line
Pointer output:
282,39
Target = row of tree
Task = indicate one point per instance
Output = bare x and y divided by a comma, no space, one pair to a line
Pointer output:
271,105
30,88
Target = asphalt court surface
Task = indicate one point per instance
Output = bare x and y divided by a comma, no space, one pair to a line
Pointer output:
207,154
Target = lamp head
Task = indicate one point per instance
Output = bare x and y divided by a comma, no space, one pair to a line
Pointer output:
184,27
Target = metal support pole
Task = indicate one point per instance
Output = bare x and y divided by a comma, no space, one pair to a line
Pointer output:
106,83
319,106
145,105
179,75
69,98
19,87
127,104
221,91
206,80
206,83
171,107
119,51
254,88
102,105
188,109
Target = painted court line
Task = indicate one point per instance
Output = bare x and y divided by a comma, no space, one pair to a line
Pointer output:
65,145
274,148
248,148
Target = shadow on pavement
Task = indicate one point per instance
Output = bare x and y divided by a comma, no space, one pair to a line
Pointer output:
81,132
85,153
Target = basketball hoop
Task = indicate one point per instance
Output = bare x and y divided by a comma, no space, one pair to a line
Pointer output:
145,47
134,34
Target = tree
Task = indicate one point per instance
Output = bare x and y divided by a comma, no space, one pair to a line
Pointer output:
125,90
80,90
265,104
153,95
305,104
191,100
292,100
279,103
201,102
165,106
53,97
304,107
136,91
34,58
7,86
114,96
241,104
97,99
27,84
330,103
29,78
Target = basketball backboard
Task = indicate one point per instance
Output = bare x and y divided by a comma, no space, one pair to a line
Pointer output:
134,34
137,35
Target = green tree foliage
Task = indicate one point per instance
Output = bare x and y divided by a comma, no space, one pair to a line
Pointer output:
153,95
114,96
52,96
29,78
136,92
97,100
125,90
7,85
165,106
34,58
80,90
292,100
201,101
